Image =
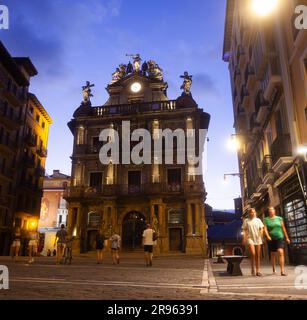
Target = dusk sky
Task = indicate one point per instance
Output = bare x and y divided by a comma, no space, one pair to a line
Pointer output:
73,41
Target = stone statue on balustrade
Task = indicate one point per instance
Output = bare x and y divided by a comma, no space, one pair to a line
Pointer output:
187,83
119,74
136,61
87,92
154,71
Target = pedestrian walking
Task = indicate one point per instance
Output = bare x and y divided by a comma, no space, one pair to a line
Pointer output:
252,237
115,243
33,245
60,242
16,244
149,237
100,238
276,233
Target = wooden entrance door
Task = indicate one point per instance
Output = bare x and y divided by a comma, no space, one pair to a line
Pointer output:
175,239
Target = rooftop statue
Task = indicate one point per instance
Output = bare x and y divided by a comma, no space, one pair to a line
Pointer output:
129,68
87,92
136,61
145,68
187,83
154,71
120,73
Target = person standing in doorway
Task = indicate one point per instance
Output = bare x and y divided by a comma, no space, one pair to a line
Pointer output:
100,238
252,237
276,232
148,242
33,245
60,242
115,243
16,244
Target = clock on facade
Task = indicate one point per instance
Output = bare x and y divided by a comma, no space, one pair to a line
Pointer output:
136,87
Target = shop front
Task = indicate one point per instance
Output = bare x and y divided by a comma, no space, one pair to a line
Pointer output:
295,216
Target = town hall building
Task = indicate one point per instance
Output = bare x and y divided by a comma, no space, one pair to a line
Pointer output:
123,197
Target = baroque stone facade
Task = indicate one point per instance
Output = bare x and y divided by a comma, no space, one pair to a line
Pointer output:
123,197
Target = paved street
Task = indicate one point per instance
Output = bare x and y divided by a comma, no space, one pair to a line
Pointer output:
172,277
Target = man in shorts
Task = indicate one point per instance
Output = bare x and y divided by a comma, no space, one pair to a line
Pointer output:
115,243
60,241
148,243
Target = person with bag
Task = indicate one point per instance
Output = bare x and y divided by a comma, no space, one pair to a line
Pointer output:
16,244
60,242
252,237
33,245
276,233
100,238
149,237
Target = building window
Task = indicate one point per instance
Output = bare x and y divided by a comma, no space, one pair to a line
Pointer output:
95,179
37,118
43,125
134,181
306,113
174,179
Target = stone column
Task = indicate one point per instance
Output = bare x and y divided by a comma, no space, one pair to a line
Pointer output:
189,219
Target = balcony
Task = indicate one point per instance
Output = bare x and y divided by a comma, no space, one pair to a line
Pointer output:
262,107
271,78
237,76
268,175
7,145
135,108
30,140
249,76
13,94
42,152
28,161
253,124
132,190
30,186
241,56
244,96
10,118
281,152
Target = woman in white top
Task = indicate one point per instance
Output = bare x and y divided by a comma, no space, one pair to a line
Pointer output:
252,237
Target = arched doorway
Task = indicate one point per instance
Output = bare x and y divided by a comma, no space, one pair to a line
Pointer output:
134,224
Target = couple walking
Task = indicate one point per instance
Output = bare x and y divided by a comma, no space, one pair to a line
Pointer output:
275,232
115,245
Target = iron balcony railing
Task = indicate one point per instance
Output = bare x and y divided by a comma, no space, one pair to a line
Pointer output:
266,166
249,71
260,102
135,108
30,140
130,190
